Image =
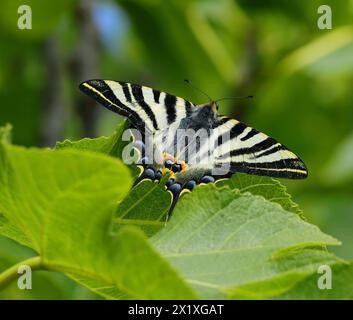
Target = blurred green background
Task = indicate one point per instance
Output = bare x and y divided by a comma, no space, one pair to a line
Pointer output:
301,77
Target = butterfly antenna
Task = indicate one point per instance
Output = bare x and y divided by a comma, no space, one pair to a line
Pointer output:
233,98
198,89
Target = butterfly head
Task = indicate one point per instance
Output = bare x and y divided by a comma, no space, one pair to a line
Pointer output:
210,108
206,113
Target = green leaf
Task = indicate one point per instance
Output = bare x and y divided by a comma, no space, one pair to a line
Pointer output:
63,202
46,285
6,228
10,231
5,133
269,188
111,145
145,207
105,291
239,238
157,281
222,242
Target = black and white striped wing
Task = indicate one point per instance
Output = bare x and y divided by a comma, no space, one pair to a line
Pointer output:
245,149
143,106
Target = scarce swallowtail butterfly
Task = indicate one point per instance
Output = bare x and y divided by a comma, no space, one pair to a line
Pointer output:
192,143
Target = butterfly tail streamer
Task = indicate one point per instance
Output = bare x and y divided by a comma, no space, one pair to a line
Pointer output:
175,198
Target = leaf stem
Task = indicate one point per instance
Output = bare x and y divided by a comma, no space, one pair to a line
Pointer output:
11,273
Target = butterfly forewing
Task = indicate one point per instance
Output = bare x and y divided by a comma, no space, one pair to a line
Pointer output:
145,107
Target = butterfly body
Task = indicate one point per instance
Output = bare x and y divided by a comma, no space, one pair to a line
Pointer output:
203,116
193,144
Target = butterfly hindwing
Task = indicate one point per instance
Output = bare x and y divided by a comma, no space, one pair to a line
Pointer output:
253,152
236,147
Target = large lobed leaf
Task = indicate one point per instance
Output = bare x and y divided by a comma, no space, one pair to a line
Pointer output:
241,238
112,145
63,204
144,207
229,245
267,187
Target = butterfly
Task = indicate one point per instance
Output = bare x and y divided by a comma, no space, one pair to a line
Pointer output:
229,146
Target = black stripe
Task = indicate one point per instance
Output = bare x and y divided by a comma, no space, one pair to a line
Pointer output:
271,151
105,90
170,102
220,121
138,95
156,95
233,132
263,145
126,90
279,164
188,109
237,130
241,151
117,106
222,138
269,173
250,134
